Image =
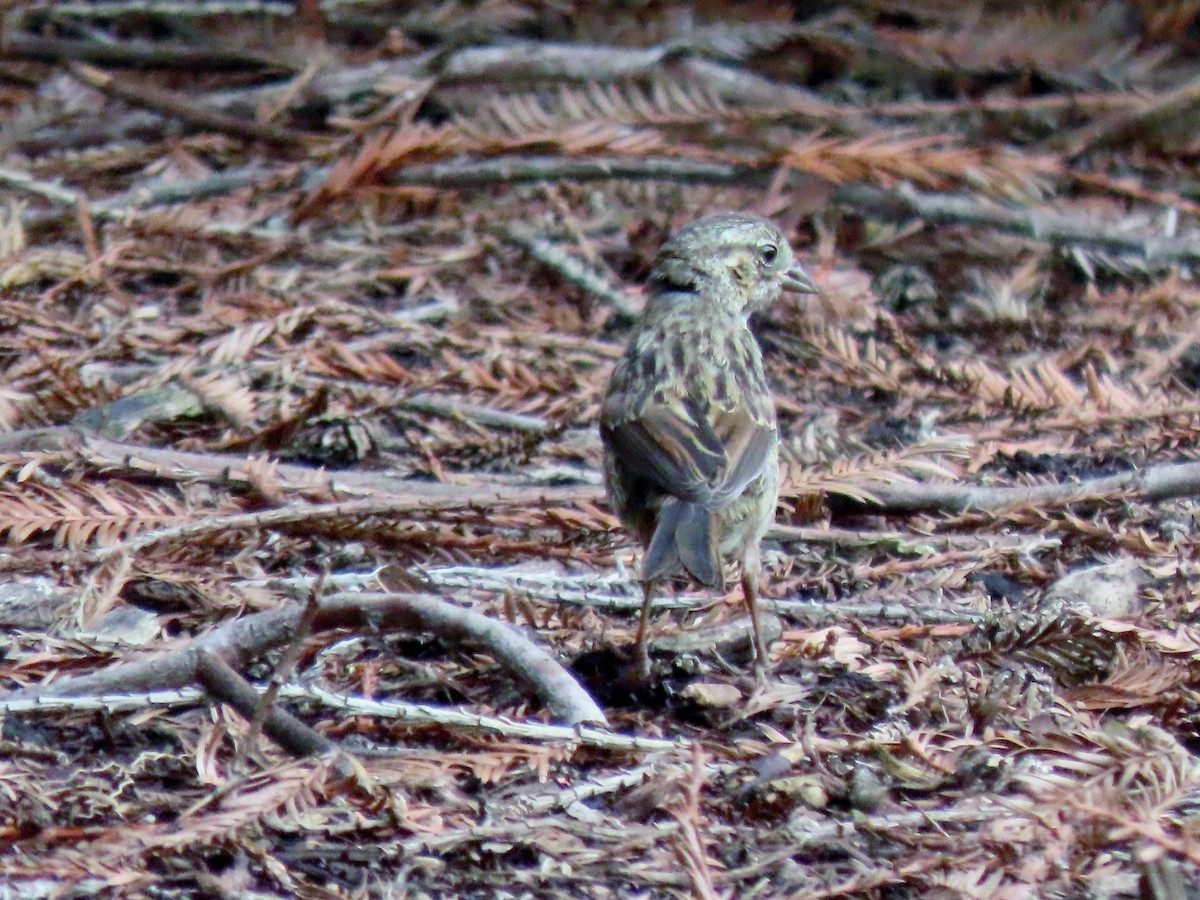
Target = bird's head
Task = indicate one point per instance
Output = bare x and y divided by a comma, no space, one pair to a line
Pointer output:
738,261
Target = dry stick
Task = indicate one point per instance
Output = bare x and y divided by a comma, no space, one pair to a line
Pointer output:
906,543
515,62
557,688
904,204
512,63
314,512
503,65
1159,482
901,205
89,9
350,705
419,713
214,184
974,106
241,641
774,99
225,685
484,415
286,664
130,204
553,589
180,106
131,54
47,190
182,465
572,270
514,169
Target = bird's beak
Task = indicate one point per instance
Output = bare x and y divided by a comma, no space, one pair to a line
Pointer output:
796,279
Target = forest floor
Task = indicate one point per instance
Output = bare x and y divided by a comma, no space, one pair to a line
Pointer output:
311,589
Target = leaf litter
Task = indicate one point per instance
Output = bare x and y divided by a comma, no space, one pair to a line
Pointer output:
304,324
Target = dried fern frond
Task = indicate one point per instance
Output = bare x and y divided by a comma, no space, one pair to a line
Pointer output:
1139,787
78,513
855,477
1137,679
1141,772
862,362
41,265
734,41
934,162
1074,648
1042,387
1082,51
528,125
664,100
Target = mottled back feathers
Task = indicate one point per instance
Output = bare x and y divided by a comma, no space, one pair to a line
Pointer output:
688,423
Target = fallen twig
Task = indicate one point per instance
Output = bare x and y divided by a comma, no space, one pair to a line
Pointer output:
477,173
419,713
1154,483
445,406
905,204
240,641
410,713
132,54
462,499
225,685
183,465
572,270
182,107
286,663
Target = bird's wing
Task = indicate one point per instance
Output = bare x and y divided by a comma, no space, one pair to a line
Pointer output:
748,440
699,458
700,463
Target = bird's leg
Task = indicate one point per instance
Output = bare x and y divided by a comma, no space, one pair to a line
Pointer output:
640,650
751,570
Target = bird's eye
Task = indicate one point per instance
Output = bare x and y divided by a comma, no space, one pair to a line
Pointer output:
768,252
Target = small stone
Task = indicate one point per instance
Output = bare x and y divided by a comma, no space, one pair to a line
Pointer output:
713,696
808,789
126,625
866,790
1107,591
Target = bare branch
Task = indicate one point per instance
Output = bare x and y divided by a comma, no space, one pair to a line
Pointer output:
240,641
905,204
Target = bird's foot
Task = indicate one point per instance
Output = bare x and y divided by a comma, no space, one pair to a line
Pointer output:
642,666
639,670
759,668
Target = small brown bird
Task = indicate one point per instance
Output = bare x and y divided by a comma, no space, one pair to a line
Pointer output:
691,456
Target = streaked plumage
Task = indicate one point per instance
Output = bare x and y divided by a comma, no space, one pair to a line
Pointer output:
688,423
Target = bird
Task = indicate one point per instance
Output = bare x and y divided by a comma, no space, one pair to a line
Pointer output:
691,444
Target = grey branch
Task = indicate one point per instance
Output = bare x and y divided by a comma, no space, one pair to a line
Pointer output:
392,494
571,269
905,204
484,415
239,642
1155,483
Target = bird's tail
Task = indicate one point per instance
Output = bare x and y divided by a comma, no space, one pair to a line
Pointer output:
684,537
